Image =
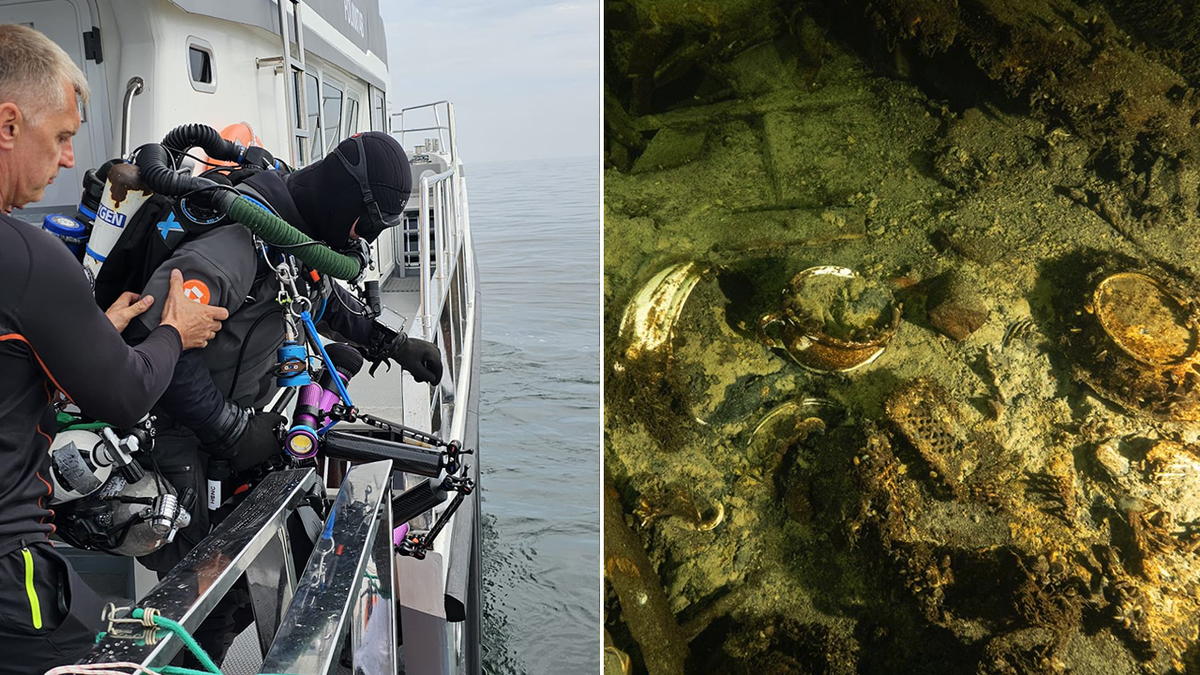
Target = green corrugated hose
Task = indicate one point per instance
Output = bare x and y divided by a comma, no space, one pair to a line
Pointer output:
275,230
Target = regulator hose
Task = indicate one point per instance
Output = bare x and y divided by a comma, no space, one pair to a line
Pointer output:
275,230
185,137
154,163
156,167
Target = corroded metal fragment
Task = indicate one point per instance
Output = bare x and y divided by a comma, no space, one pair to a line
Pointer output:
1136,342
649,319
958,457
832,319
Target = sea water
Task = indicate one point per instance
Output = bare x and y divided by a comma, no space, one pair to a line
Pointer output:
536,227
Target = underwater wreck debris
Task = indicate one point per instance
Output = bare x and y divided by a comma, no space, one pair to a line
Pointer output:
832,319
649,319
1108,455
1136,342
1019,330
1056,488
954,306
644,606
679,502
959,458
1127,604
616,662
786,646
1146,320
1150,531
807,416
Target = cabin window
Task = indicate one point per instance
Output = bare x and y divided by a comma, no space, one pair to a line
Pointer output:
313,100
377,109
331,110
351,113
202,67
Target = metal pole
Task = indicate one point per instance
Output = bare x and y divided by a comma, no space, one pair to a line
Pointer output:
437,122
453,142
423,245
132,88
439,213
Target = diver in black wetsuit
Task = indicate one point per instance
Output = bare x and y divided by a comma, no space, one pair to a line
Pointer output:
55,342
208,410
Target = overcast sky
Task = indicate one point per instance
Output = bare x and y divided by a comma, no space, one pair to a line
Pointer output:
524,75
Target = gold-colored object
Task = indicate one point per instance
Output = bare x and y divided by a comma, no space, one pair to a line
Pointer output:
832,320
683,503
616,662
649,319
1143,346
1146,321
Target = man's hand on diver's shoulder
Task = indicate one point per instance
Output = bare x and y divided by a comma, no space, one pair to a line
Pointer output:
196,323
126,308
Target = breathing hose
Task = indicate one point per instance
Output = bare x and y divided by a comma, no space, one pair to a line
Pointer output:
277,231
188,136
155,163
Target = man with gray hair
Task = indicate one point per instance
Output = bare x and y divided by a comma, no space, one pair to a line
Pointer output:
55,343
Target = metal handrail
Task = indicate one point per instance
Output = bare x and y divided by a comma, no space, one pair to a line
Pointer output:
448,127
132,88
423,225
443,220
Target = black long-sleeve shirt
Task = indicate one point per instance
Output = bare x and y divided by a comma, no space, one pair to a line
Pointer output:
54,339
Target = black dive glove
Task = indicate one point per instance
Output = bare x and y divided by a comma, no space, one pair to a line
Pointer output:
243,437
420,358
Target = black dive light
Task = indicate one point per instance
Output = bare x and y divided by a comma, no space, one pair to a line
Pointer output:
405,457
417,500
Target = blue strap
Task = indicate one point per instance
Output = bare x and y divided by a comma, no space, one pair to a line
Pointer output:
311,327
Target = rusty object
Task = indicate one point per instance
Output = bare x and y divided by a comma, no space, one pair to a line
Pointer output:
805,332
960,459
1146,321
122,178
1137,343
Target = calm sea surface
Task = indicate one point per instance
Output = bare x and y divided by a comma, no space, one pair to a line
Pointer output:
537,239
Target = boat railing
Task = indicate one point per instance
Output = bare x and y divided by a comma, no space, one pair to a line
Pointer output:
447,287
437,109
346,587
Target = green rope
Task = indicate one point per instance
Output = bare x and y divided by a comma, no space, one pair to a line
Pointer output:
173,626
180,670
189,641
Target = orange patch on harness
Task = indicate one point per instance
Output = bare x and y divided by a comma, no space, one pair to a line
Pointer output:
196,290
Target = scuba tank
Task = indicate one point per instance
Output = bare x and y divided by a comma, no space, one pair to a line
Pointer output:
75,231
72,232
123,196
93,190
